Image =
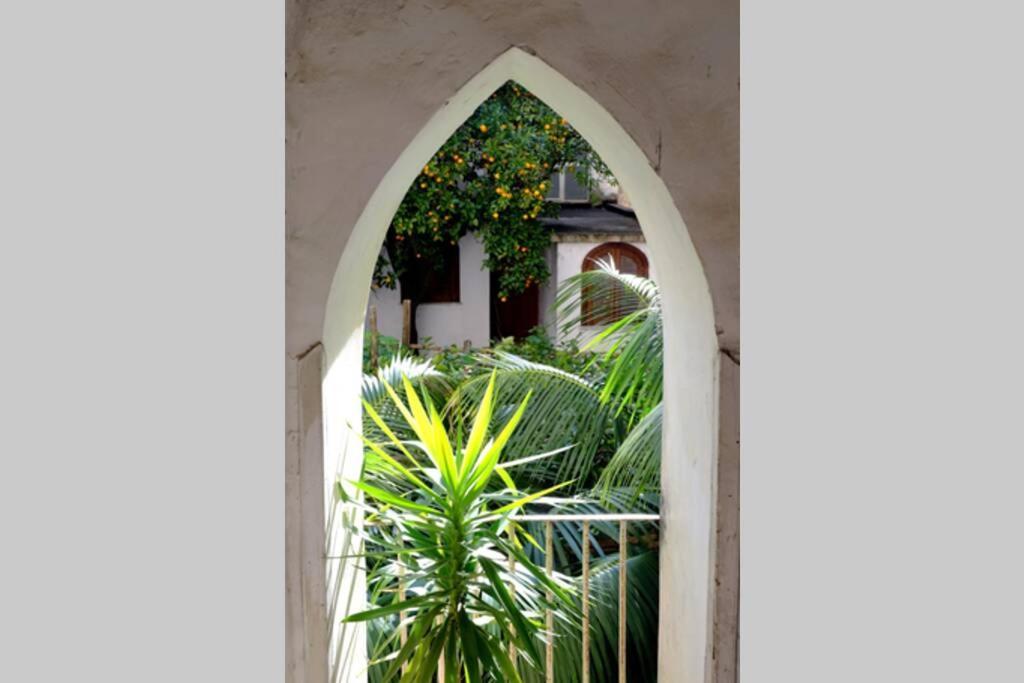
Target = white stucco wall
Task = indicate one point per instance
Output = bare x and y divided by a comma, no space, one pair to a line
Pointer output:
454,323
389,311
347,130
469,319
546,295
448,323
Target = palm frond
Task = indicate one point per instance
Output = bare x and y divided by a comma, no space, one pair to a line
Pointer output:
605,286
416,370
636,465
420,372
634,348
565,410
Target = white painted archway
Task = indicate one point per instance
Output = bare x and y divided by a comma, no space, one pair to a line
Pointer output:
691,365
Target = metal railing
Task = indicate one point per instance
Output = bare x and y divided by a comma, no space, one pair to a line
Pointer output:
549,522
623,521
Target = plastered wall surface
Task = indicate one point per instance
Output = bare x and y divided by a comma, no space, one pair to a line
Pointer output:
449,324
469,319
364,77
446,323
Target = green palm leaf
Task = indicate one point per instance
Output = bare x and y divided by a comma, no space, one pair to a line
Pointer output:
633,346
565,410
636,464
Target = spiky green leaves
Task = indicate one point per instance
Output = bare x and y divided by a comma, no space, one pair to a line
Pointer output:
451,538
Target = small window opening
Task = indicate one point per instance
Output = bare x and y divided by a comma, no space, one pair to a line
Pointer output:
611,302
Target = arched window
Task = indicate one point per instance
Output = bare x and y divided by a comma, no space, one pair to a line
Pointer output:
603,305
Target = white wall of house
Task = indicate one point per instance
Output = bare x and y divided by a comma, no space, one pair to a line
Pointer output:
454,323
446,323
389,311
548,291
469,319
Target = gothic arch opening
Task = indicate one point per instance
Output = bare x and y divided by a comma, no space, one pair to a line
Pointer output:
691,368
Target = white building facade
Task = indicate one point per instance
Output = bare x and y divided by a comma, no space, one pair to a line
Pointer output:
581,234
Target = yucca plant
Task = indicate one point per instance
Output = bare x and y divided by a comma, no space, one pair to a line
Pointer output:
469,592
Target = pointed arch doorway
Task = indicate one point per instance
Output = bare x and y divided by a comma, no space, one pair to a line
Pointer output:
691,367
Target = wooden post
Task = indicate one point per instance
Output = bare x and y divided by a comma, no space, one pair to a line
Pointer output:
406,322
374,338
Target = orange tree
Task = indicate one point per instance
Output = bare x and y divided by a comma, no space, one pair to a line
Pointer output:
490,178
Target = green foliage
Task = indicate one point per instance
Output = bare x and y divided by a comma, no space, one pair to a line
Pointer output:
453,538
490,178
399,368
634,359
641,624
387,348
593,416
636,464
461,364
566,413
540,348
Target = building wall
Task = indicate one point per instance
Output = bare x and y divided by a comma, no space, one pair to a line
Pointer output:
547,293
469,319
446,323
389,311
364,78
449,324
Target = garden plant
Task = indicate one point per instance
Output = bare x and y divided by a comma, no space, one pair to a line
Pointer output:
577,429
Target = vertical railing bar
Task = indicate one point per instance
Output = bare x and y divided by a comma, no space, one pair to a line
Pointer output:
549,521
549,561
586,601
512,591
402,632
623,553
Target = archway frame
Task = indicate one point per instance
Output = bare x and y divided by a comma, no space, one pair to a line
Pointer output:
690,437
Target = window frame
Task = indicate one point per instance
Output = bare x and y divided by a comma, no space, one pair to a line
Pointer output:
441,287
588,318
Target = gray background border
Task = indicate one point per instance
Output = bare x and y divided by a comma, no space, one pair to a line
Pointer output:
142,360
